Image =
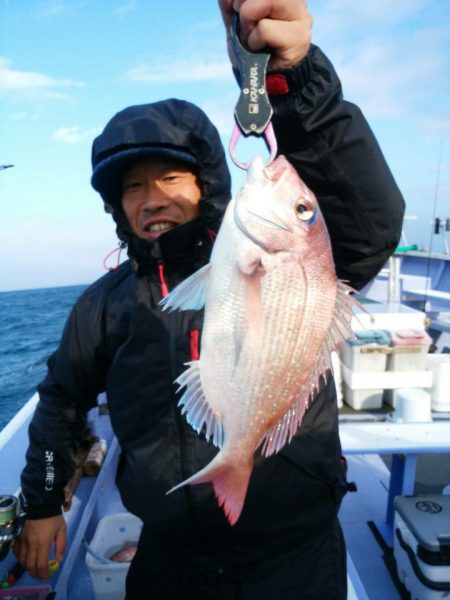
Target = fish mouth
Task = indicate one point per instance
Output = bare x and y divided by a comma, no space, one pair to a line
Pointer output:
259,219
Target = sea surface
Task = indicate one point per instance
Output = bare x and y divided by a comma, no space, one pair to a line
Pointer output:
31,324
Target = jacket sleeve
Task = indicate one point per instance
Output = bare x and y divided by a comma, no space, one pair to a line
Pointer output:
335,152
76,375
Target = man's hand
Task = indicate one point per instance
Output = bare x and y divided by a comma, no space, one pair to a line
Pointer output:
32,547
283,25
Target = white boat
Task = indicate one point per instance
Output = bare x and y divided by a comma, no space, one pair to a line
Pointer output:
367,516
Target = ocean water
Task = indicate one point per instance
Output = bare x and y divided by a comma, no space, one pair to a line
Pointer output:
31,324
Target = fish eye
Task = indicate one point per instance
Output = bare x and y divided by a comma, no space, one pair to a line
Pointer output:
303,211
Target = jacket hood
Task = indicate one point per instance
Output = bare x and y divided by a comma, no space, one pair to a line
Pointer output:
171,128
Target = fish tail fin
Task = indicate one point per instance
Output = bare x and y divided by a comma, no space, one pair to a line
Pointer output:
230,483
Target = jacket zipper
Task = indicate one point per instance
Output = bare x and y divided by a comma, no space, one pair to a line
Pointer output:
162,280
172,358
194,335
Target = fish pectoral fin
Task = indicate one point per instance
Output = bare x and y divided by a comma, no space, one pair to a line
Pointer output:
190,294
249,259
251,270
253,306
194,405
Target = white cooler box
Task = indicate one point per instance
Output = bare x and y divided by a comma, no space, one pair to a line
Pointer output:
409,350
422,545
366,353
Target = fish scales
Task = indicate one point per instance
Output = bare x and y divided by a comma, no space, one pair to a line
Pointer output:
279,352
274,310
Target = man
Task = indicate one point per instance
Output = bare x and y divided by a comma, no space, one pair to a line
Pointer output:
161,171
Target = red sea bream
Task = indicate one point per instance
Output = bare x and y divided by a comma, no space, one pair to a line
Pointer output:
274,311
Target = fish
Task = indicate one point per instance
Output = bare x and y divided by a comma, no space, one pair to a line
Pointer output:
125,554
274,312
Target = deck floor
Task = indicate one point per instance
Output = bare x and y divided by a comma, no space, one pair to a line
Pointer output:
368,504
367,555
358,511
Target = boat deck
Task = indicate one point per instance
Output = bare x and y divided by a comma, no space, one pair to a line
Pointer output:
362,514
358,514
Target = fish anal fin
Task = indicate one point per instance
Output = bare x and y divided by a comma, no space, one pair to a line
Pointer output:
198,412
190,294
283,431
230,482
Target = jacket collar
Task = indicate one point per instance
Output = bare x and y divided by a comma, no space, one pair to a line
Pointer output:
187,246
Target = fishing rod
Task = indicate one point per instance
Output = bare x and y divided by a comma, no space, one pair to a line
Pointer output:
436,193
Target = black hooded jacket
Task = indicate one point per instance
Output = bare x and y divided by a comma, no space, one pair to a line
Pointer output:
117,339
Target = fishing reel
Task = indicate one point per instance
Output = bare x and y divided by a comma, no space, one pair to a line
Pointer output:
12,517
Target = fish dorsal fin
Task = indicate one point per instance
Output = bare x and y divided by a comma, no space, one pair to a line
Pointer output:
339,331
340,328
194,405
189,294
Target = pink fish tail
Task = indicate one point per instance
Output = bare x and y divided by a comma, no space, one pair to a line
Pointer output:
230,483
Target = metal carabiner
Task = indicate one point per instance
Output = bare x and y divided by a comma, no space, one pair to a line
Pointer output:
253,110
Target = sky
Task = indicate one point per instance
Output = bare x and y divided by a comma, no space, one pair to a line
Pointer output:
67,66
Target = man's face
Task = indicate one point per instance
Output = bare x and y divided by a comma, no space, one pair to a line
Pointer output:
158,195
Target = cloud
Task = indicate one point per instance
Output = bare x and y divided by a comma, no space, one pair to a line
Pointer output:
33,83
436,126
18,116
42,253
344,19
74,135
197,69
124,8
51,10
391,79
382,86
391,67
220,111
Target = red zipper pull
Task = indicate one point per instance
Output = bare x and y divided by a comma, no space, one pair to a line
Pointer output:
195,354
164,288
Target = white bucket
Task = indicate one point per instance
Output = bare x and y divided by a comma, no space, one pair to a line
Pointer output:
412,405
111,534
439,365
